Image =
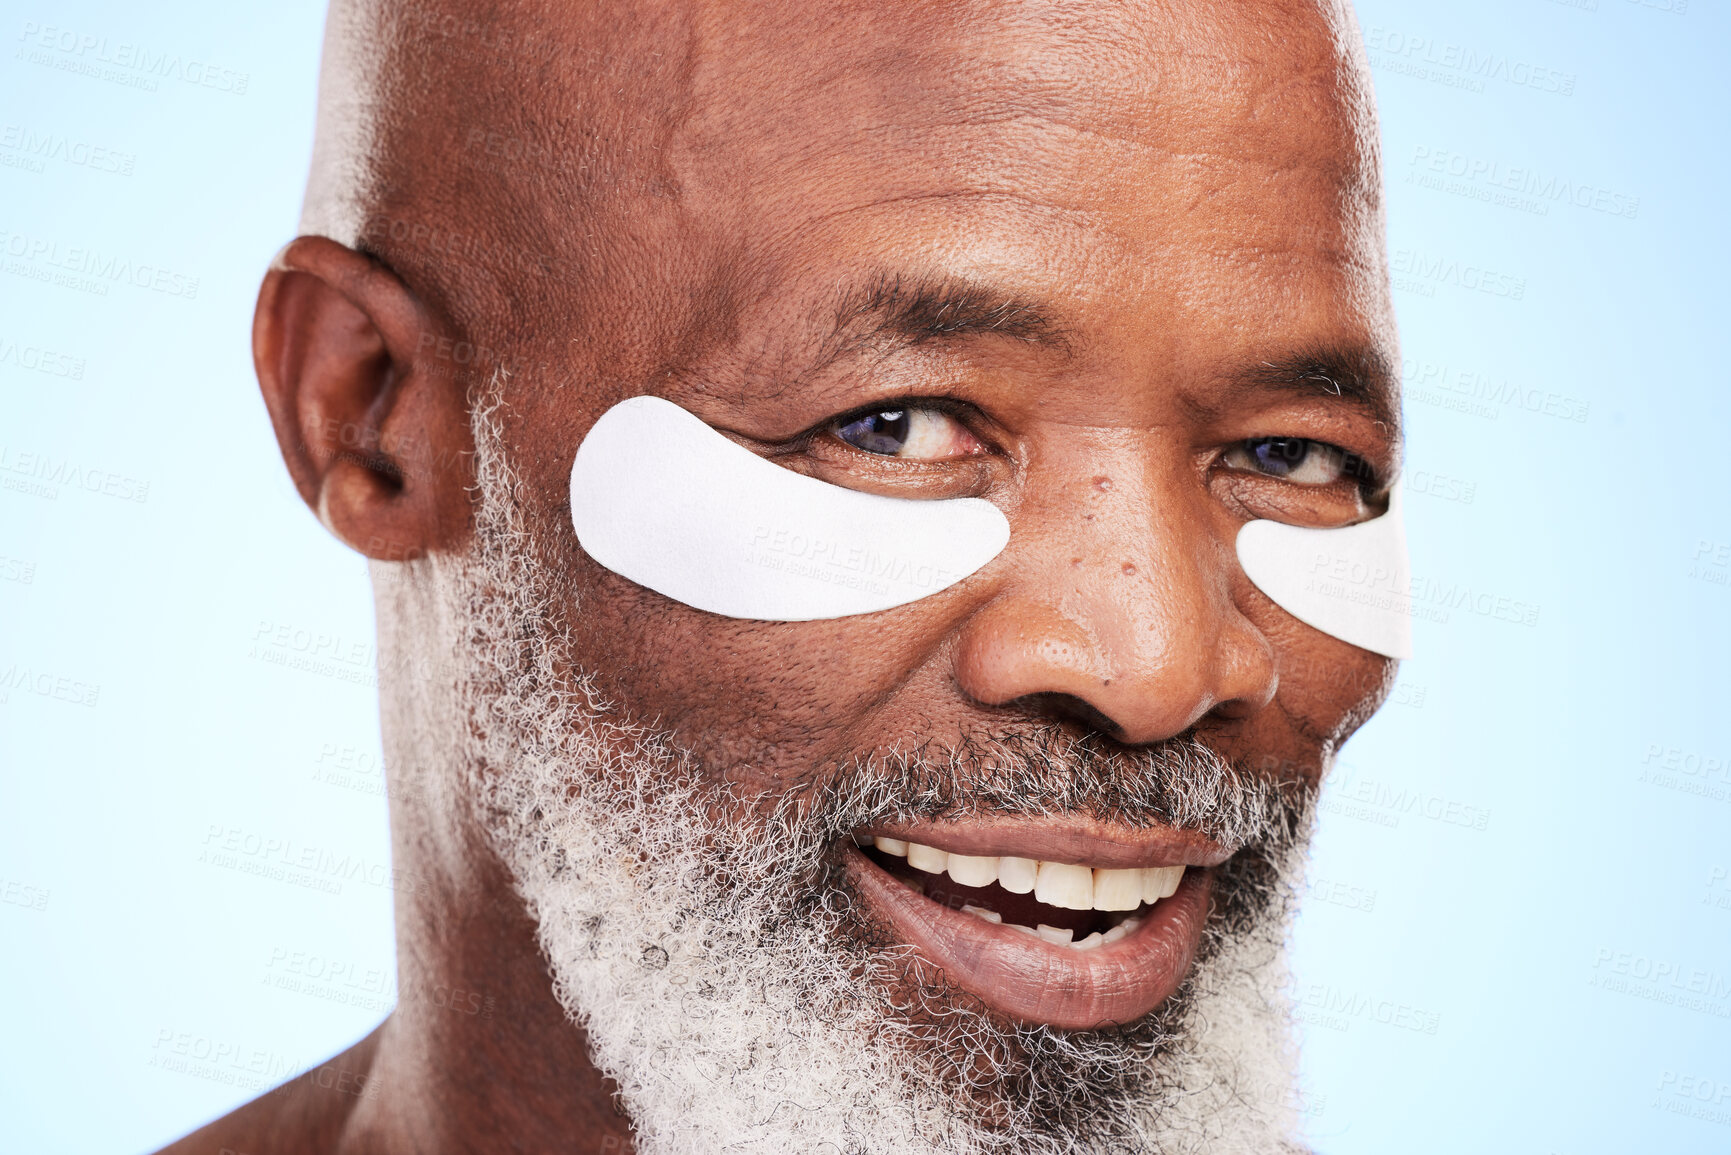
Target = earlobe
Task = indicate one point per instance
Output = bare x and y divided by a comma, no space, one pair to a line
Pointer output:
379,450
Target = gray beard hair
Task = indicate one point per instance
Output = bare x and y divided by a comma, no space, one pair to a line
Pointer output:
709,947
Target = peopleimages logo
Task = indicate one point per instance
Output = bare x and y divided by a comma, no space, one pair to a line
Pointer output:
1483,394
1662,980
219,1060
87,268
36,148
1422,272
39,359
1409,53
1322,1005
46,684
1489,176
828,561
122,61
42,474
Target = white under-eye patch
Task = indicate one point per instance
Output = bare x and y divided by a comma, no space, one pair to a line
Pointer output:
662,499
1351,583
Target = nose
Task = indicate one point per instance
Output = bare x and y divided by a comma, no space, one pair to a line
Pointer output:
1116,609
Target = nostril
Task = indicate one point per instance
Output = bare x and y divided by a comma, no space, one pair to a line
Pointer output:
1069,708
1234,709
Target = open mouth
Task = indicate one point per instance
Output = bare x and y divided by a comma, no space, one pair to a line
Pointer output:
1061,903
1068,944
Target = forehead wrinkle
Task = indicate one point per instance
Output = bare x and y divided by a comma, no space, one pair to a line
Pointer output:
827,317
1021,141
877,98
1136,169
1089,234
1129,74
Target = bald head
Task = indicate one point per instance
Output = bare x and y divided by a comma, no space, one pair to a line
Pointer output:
636,176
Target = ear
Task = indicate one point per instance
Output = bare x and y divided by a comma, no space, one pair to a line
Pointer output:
378,447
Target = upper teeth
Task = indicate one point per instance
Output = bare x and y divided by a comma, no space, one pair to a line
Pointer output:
1053,883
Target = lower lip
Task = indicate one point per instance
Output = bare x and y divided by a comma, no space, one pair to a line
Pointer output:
1034,981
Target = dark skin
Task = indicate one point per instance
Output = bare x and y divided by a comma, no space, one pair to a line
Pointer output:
1106,244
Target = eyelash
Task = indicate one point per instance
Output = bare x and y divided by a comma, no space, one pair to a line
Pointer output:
1352,466
956,411
945,405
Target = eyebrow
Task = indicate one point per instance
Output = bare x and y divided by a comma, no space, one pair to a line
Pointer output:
908,310
903,310
1358,375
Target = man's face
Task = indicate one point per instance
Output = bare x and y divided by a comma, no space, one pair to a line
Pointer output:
1086,259
1082,265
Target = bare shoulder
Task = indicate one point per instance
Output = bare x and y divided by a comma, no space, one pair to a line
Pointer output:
306,1115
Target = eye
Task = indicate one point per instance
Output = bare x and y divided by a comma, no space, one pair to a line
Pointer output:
916,433
1299,460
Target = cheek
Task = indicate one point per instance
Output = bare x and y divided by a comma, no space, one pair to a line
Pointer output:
1331,688
784,697
1328,688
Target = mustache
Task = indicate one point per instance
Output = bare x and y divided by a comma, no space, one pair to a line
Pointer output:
1040,771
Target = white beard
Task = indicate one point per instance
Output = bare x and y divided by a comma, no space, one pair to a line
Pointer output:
749,1014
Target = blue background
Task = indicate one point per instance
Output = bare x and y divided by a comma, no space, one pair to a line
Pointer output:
1519,936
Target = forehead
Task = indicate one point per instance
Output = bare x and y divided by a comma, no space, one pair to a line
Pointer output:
1174,171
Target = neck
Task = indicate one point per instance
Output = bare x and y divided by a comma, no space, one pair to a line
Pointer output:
478,1055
